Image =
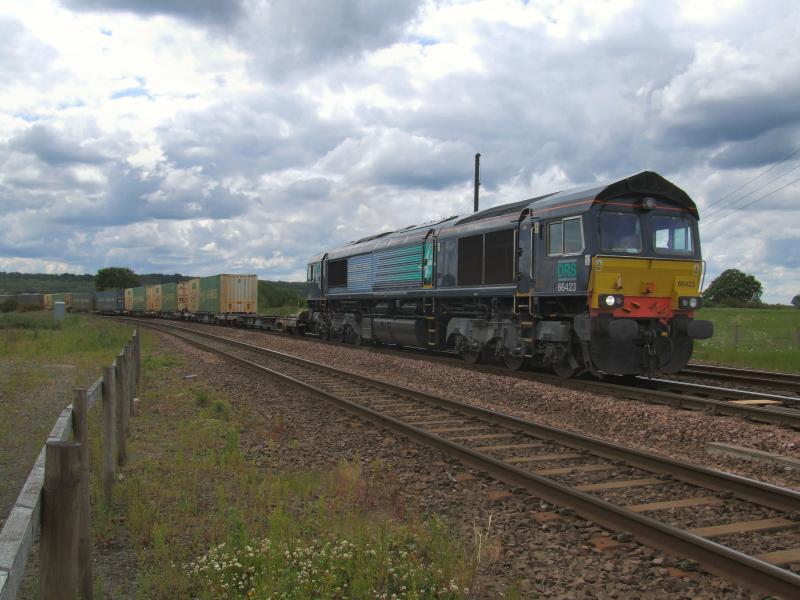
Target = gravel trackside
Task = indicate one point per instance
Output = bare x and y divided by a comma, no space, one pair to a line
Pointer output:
283,428
680,434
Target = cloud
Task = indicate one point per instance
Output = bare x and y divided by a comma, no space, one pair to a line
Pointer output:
288,38
251,135
207,12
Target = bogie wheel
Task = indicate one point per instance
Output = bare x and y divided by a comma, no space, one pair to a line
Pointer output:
471,356
513,363
564,369
325,334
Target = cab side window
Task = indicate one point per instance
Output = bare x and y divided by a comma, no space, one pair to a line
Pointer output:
565,237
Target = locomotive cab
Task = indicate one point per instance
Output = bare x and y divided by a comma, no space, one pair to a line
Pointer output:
644,286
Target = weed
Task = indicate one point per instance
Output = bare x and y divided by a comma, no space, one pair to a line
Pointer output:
202,398
206,523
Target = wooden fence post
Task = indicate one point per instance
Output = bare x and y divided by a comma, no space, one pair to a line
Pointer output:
121,408
137,347
130,372
109,432
58,546
80,433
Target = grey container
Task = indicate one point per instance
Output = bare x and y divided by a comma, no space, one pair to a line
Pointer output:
31,300
110,301
83,302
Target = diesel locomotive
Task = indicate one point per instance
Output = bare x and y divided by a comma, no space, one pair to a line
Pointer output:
604,280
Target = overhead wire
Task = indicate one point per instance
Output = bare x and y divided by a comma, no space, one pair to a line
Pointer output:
723,217
732,205
745,184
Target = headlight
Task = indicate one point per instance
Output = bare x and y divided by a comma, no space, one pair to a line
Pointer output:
689,302
611,300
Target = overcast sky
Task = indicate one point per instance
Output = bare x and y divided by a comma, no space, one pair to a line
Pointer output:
201,136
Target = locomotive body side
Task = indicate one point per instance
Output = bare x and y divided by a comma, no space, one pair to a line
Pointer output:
530,281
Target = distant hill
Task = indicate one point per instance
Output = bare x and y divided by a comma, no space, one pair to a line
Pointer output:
276,293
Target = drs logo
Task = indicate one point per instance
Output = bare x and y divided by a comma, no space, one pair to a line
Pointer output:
566,273
567,270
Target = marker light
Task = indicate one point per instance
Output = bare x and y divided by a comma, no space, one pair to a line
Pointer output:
689,302
611,300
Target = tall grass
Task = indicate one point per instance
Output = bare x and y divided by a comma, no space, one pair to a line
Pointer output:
79,339
206,523
757,338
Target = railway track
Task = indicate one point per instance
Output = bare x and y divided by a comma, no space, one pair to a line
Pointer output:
732,526
714,400
768,379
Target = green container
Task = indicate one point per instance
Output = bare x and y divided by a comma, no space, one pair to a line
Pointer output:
210,294
169,297
140,299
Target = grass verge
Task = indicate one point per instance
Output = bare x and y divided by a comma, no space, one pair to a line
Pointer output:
206,523
748,337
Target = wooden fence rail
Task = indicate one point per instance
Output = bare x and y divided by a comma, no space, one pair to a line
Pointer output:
64,559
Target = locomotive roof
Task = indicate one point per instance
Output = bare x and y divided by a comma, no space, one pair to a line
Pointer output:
574,201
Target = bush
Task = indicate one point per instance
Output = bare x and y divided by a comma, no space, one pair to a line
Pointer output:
8,305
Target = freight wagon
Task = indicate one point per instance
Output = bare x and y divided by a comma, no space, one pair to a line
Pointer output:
110,302
48,301
82,302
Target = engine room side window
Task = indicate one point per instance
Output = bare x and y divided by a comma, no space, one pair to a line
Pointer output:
620,232
672,235
337,273
470,260
565,237
499,256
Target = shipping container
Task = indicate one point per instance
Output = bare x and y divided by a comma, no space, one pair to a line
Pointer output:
129,299
30,301
153,298
139,299
169,297
221,294
83,302
66,298
48,301
193,296
110,301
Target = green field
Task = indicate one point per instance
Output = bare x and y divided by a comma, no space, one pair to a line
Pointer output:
752,337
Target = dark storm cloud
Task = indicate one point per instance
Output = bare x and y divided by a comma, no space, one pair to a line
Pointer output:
263,132
57,148
290,37
710,123
770,147
208,12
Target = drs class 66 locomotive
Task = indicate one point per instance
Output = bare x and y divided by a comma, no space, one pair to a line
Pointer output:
603,279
